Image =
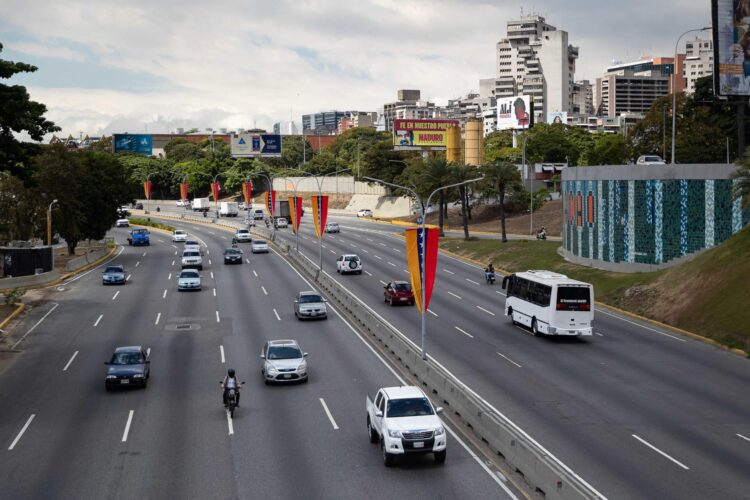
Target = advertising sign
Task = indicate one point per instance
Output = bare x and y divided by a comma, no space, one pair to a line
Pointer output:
731,37
557,117
247,144
417,134
133,143
514,113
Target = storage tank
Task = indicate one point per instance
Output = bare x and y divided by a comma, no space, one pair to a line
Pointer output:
453,144
473,143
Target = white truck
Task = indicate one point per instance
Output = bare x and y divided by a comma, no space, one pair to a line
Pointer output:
201,204
228,209
404,422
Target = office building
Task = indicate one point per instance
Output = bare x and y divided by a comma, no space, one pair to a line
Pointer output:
325,122
408,106
699,62
632,87
583,99
357,119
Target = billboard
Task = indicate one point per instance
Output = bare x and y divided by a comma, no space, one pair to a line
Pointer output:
133,143
554,117
418,134
248,144
514,113
731,37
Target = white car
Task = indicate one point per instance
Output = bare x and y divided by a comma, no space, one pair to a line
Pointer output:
310,305
193,246
193,259
258,214
179,236
182,203
259,246
650,160
283,361
243,235
189,279
365,212
349,263
333,227
122,223
280,222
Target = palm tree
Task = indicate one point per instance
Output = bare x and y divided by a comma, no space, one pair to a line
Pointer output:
499,177
741,190
461,173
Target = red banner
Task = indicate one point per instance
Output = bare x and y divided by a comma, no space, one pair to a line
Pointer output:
215,188
147,189
247,191
422,249
295,211
320,213
183,191
270,198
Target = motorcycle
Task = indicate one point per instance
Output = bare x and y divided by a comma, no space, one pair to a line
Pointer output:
541,235
231,400
489,277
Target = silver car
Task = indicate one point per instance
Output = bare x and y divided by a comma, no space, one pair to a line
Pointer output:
310,305
189,279
243,235
283,361
193,246
259,246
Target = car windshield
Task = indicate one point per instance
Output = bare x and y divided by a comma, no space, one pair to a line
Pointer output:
127,358
139,231
242,231
191,242
232,251
310,299
113,269
189,274
412,407
180,233
402,287
190,254
284,352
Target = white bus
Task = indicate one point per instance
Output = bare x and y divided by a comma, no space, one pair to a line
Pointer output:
549,303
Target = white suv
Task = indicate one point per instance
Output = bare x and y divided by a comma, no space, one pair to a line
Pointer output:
650,160
365,212
179,236
192,258
349,263
243,235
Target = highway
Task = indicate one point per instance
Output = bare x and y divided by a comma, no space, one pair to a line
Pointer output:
636,411
63,436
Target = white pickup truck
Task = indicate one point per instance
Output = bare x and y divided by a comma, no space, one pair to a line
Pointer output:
405,422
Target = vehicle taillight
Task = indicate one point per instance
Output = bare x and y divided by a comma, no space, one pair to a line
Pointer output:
585,307
562,307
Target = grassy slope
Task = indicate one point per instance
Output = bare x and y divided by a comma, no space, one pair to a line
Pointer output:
709,295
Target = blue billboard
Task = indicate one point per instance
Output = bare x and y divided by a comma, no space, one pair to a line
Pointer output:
133,143
250,145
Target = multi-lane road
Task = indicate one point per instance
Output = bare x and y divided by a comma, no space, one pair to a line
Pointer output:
636,411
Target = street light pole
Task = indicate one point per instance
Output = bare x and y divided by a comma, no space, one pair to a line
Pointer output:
674,87
49,222
422,253
320,193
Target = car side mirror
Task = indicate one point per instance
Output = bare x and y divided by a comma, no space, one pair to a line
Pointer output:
378,413
262,356
304,355
439,410
106,362
148,361
296,301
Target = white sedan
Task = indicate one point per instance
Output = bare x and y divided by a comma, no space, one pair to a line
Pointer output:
189,279
259,246
179,236
122,223
365,212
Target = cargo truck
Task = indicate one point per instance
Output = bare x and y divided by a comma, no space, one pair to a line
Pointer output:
228,209
139,237
201,205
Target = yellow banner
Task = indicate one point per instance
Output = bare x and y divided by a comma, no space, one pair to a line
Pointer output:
434,138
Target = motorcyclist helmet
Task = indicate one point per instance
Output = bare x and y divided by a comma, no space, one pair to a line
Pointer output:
230,372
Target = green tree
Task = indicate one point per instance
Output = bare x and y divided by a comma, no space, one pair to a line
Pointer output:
19,114
499,178
425,176
608,149
21,216
462,173
553,144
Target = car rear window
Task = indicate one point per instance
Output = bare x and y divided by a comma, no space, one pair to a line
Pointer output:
402,287
573,298
259,242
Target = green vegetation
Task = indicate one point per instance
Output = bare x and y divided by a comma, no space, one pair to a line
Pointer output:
150,223
12,296
707,295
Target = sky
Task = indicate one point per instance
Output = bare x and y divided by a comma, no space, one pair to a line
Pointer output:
152,66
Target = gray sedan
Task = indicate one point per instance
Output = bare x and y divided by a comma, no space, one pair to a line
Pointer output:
310,305
189,279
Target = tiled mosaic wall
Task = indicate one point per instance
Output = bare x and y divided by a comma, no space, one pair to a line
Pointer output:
648,221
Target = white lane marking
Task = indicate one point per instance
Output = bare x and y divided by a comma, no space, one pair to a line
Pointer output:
527,332
218,320
161,241
368,273
365,251
506,358
175,253
230,427
391,264
264,290
35,325
247,260
328,412
464,332
369,239
211,232
208,252
457,296
599,334
396,249
744,437
127,426
384,283
158,317
174,246
128,278
96,323
209,262
406,271
657,450
115,295
378,257
382,244
472,281
214,290
254,273
138,263
144,254
173,263
320,245
67,365
354,246
170,276
148,352
221,350
642,326
23,429
485,310
332,251
431,312
212,275
164,295
277,314
449,272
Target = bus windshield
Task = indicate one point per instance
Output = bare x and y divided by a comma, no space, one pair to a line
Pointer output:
573,298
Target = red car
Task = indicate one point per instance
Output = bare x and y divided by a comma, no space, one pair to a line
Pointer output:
399,292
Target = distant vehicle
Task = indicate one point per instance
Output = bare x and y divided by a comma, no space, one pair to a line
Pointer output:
139,237
280,223
192,259
122,223
139,206
201,204
113,275
349,263
259,246
283,361
193,246
123,211
128,366
243,235
549,303
242,206
258,214
281,209
310,305
333,227
404,422
189,279
365,212
398,292
228,209
232,256
179,236
650,160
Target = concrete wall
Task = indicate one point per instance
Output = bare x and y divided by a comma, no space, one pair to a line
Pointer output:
332,184
635,218
381,206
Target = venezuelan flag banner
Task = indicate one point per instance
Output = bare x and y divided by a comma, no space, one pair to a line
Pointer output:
418,245
295,211
320,213
244,192
270,200
147,189
215,188
183,190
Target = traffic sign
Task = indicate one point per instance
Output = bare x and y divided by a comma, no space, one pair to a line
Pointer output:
250,145
419,220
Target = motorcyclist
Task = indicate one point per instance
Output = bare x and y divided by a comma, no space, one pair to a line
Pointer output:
267,221
231,382
489,272
542,233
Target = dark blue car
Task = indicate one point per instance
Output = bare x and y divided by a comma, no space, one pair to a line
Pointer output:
129,366
113,275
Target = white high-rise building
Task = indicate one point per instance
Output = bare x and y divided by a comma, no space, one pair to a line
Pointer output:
699,61
534,59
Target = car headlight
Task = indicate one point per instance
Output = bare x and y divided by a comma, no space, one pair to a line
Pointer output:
395,434
110,377
272,369
440,431
138,375
302,366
